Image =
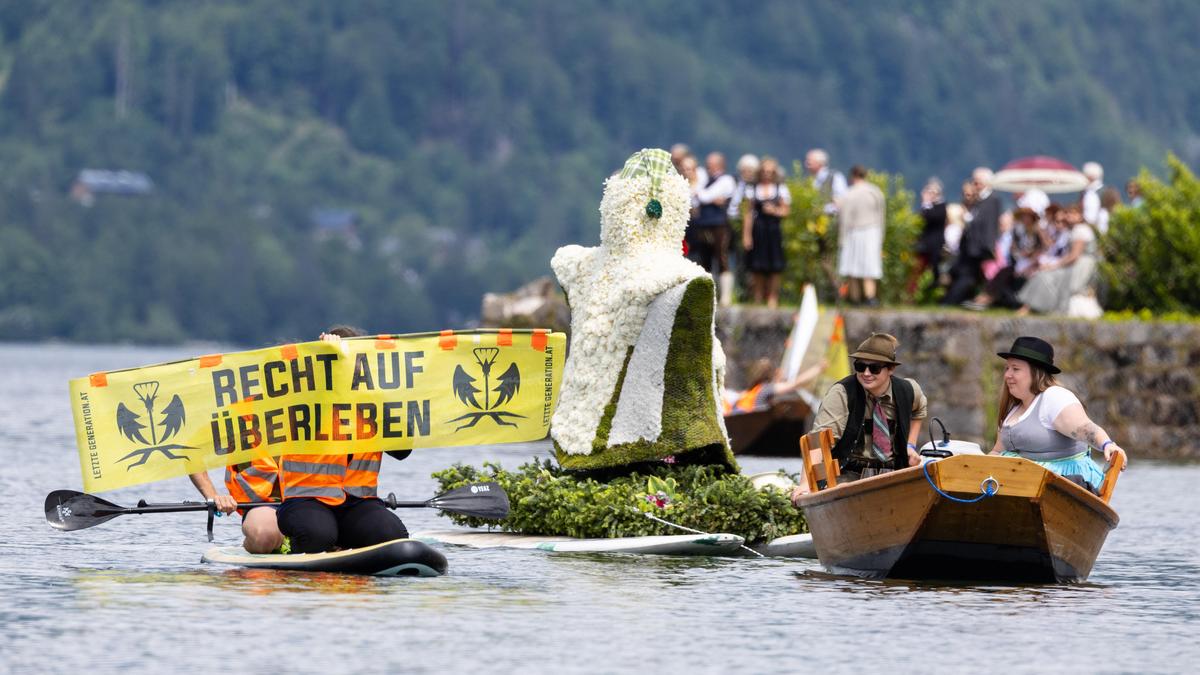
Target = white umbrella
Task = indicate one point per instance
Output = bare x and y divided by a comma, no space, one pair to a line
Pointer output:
1043,173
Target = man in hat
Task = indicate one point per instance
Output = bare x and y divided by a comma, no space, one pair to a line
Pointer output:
875,417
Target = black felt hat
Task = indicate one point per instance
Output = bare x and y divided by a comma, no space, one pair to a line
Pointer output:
1034,350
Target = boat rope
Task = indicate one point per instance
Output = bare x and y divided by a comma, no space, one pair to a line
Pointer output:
988,487
656,519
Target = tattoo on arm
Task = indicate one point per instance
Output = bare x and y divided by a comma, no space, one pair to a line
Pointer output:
1087,432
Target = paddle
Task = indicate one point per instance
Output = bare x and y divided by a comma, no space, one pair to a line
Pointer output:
69,510
481,500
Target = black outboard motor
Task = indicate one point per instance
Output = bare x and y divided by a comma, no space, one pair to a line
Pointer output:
946,447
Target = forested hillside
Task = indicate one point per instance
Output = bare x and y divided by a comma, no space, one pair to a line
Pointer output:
385,163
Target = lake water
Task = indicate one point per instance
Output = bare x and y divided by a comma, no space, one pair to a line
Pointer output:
132,596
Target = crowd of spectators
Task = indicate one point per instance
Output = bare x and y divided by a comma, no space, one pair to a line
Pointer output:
754,203
1037,256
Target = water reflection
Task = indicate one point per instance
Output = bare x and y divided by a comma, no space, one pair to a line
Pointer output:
110,585
851,584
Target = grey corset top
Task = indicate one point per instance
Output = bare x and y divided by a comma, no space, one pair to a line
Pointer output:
1031,440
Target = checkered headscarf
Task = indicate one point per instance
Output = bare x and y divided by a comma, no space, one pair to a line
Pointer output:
653,163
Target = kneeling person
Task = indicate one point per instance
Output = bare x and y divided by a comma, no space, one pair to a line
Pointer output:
255,482
331,500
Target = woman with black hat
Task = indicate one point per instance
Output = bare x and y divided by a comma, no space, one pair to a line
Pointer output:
1044,422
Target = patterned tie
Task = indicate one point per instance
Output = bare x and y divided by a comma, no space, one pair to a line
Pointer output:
881,442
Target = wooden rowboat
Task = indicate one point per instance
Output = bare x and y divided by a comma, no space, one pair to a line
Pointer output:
937,521
774,430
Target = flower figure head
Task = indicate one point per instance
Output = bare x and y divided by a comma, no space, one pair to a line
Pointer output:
646,206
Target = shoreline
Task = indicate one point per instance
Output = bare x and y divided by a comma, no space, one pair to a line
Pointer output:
1138,377
1140,380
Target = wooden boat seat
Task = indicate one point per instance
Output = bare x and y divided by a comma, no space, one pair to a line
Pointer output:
816,449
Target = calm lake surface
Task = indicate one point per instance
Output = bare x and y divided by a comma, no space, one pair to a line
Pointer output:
132,596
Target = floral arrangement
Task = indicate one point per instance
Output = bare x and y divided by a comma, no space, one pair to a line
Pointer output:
545,499
636,274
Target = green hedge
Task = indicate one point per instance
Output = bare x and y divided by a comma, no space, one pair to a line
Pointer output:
547,500
1152,251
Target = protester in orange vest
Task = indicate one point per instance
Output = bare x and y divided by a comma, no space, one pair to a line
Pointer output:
764,388
256,481
330,500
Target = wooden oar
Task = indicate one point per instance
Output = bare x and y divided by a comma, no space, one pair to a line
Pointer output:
69,510
1110,477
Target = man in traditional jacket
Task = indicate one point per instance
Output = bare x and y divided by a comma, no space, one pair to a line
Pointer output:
831,184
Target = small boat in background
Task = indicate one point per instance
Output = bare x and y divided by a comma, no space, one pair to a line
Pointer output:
965,517
775,429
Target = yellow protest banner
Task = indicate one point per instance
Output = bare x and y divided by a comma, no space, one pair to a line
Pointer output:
387,392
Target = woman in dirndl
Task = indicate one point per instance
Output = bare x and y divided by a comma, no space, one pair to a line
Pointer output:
762,232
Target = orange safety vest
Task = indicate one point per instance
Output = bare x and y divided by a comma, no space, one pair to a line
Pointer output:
329,478
254,481
747,402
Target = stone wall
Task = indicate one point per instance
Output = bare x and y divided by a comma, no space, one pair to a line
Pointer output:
1138,380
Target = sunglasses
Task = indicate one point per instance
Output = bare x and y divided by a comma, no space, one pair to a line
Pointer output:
875,368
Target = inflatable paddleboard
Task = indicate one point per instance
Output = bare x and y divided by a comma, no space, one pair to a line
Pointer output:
802,333
397,558
776,479
791,546
683,544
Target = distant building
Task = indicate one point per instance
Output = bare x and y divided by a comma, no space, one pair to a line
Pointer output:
332,223
92,182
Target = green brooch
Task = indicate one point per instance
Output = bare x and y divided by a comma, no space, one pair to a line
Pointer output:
654,209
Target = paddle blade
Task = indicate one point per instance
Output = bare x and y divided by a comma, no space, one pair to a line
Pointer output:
69,510
482,500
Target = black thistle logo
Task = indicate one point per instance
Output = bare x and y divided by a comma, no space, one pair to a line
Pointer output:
170,421
507,386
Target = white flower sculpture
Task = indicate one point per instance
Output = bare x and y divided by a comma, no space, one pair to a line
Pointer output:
611,289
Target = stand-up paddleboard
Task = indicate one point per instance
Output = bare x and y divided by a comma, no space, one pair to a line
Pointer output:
683,544
810,331
802,332
397,558
775,479
791,546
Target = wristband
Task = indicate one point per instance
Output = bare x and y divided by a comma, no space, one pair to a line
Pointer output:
1105,444
912,447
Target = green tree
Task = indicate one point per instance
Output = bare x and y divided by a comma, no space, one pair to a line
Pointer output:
1152,251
